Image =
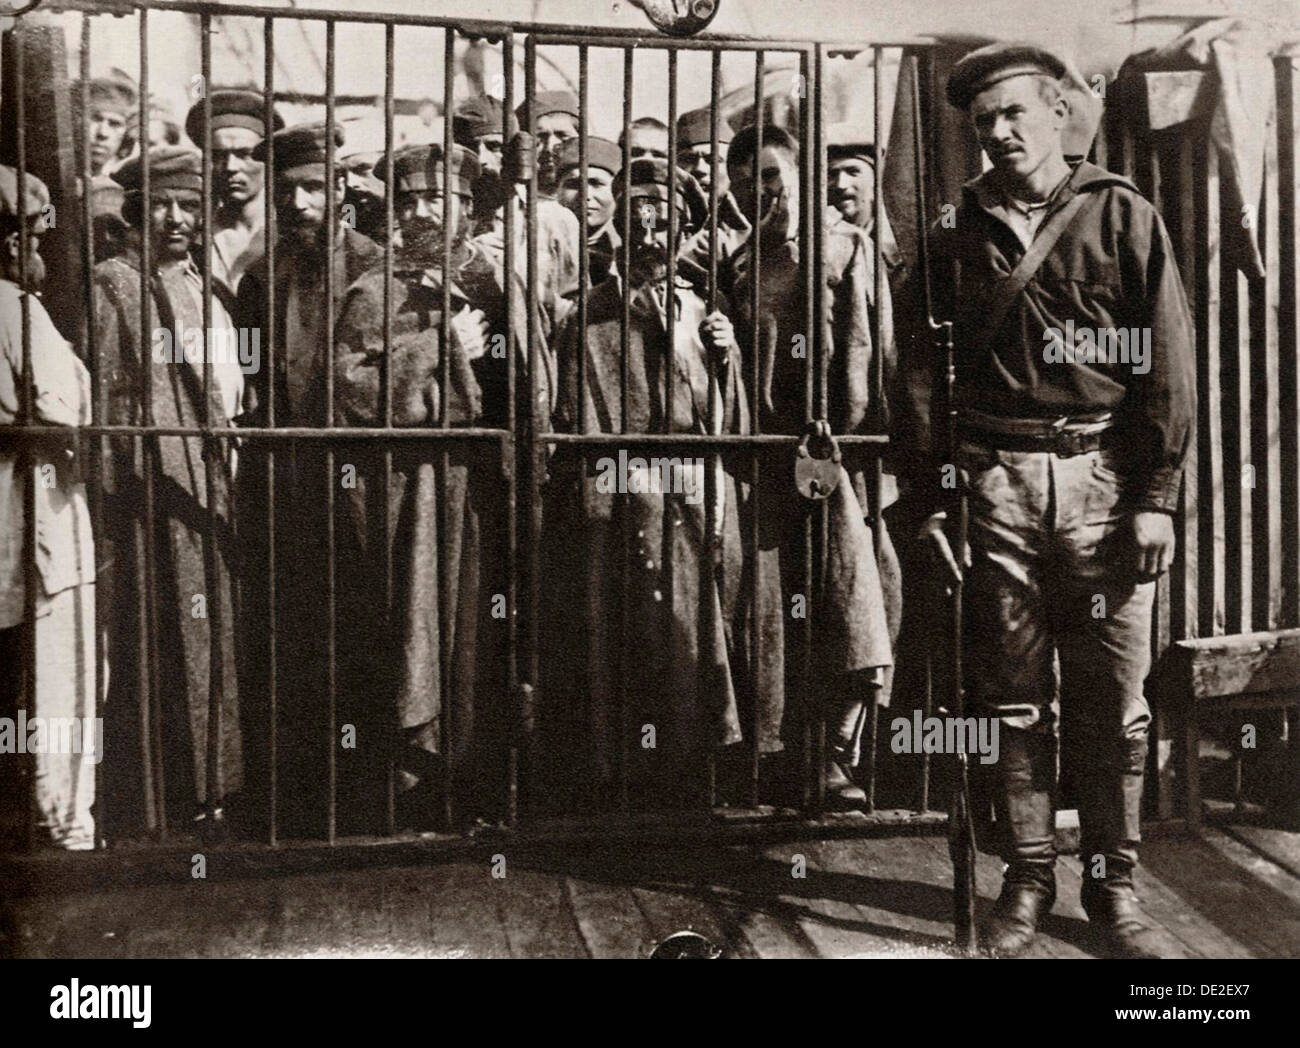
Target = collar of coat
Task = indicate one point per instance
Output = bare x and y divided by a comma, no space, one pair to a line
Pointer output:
985,191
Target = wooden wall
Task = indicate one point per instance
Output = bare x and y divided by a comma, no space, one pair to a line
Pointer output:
1238,563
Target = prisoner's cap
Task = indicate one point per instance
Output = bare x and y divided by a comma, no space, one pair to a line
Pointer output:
479,116
693,129
545,102
231,107
601,153
170,168
363,139
115,93
38,197
106,196
418,168
743,145
986,66
300,150
649,177
845,141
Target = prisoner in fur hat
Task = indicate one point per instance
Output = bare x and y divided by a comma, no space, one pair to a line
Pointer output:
648,177
419,168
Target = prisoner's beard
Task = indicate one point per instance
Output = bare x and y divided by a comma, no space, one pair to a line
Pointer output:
423,242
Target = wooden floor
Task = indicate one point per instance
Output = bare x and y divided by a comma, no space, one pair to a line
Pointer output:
1234,893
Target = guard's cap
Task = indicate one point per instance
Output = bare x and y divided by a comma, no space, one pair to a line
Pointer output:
170,168
693,129
37,195
418,168
300,149
986,66
231,107
601,153
545,102
479,116
850,140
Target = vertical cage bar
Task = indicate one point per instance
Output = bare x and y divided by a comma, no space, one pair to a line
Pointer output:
755,399
152,735
878,334
521,717
213,454
269,235
390,772
331,239
99,413
535,467
27,456
444,567
584,256
625,320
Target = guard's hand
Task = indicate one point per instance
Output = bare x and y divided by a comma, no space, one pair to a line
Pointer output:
472,331
1153,544
718,336
932,532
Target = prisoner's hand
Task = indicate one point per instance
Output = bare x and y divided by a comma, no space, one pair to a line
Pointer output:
718,336
471,329
933,533
1153,544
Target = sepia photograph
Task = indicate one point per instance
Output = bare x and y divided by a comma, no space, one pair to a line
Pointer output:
650,479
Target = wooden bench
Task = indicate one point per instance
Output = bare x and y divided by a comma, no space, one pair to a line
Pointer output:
1214,675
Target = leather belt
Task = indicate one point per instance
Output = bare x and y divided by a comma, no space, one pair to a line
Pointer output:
1065,436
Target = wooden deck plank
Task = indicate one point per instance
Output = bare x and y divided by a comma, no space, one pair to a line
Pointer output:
536,916
1225,898
893,887
611,923
835,925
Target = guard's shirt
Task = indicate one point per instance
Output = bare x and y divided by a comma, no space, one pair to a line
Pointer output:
1112,270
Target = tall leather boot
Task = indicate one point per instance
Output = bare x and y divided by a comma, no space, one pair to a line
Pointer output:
1023,784
1110,811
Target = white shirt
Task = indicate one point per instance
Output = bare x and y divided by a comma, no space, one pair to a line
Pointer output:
65,551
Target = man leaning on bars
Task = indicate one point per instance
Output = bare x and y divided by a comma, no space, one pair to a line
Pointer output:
64,555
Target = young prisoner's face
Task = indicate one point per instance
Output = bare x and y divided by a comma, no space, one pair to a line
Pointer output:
776,199
174,223
236,177
420,218
553,129
695,161
1017,127
851,188
600,195
300,199
106,132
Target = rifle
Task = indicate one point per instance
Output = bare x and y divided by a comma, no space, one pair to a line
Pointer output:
961,828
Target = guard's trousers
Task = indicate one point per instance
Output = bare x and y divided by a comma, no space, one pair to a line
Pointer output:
1053,609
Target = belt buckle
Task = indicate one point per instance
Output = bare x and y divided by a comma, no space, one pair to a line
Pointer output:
1070,443
1062,443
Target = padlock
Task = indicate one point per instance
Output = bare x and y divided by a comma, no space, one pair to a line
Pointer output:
817,462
